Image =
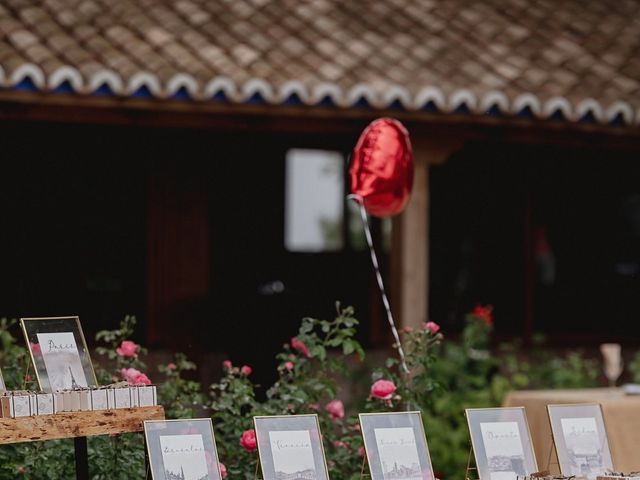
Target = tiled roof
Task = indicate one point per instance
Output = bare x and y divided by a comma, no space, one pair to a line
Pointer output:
572,59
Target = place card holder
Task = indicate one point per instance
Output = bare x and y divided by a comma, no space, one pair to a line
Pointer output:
147,396
21,405
58,402
122,397
44,404
111,398
6,406
99,399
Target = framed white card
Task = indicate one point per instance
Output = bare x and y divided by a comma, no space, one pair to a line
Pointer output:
290,446
396,446
182,449
581,441
59,353
501,442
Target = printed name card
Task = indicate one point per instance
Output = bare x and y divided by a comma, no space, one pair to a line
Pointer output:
99,399
581,439
290,447
501,443
182,449
44,404
396,446
122,397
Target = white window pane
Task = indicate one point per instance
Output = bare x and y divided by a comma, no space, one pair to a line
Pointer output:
314,200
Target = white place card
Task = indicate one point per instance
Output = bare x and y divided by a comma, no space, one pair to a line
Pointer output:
99,400
44,403
58,402
21,405
122,397
147,396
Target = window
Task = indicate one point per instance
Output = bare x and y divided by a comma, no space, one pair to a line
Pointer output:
314,201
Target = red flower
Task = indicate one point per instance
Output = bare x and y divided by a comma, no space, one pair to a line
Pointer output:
335,409
288,365
339,444
383,389
433,327
301,347
223,471
246,370
226,365
134,376
484,313
248,440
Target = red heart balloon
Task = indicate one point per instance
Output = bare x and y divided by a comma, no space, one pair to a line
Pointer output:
382,167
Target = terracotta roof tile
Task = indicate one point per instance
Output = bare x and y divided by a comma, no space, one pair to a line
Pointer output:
579,57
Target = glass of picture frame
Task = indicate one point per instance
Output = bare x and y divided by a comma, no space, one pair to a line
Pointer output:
59,353
290,446
396,446
501,443
580,438
182,449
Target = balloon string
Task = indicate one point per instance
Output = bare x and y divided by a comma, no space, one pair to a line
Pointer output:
374,259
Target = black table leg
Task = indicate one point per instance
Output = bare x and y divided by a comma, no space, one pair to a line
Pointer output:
82,458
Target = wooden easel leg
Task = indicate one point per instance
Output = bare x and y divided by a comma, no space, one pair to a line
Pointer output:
82,458
364,462
469,467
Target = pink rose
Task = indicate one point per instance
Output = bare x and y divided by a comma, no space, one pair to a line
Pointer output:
383,389
288,366
134,376
339,444
246,370
171,366
313,406
127,349
301,347
433,327
335,409
248,440
226,365
361,452
223,471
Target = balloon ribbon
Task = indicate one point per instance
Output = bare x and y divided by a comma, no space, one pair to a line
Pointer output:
374,260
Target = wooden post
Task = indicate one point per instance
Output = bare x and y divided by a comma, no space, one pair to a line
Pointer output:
410,238
82,458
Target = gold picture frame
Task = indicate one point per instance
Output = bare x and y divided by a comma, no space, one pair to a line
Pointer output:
494,432
182,435
59,353
586,420
372,425
298,443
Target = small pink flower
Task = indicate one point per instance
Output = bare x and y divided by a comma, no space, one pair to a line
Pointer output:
335,409
226,365
288,366
134,376
383,389
361,452
313,406
433,327
127,349
223,471
246,370
301,347
36,350
235,370
407,329
339,444
248,440
171,366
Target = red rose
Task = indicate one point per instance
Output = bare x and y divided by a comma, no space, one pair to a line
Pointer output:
301,347
248,440
484,313
226,365
383,389
246,370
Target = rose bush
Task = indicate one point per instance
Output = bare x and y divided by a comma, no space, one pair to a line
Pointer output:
445,378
